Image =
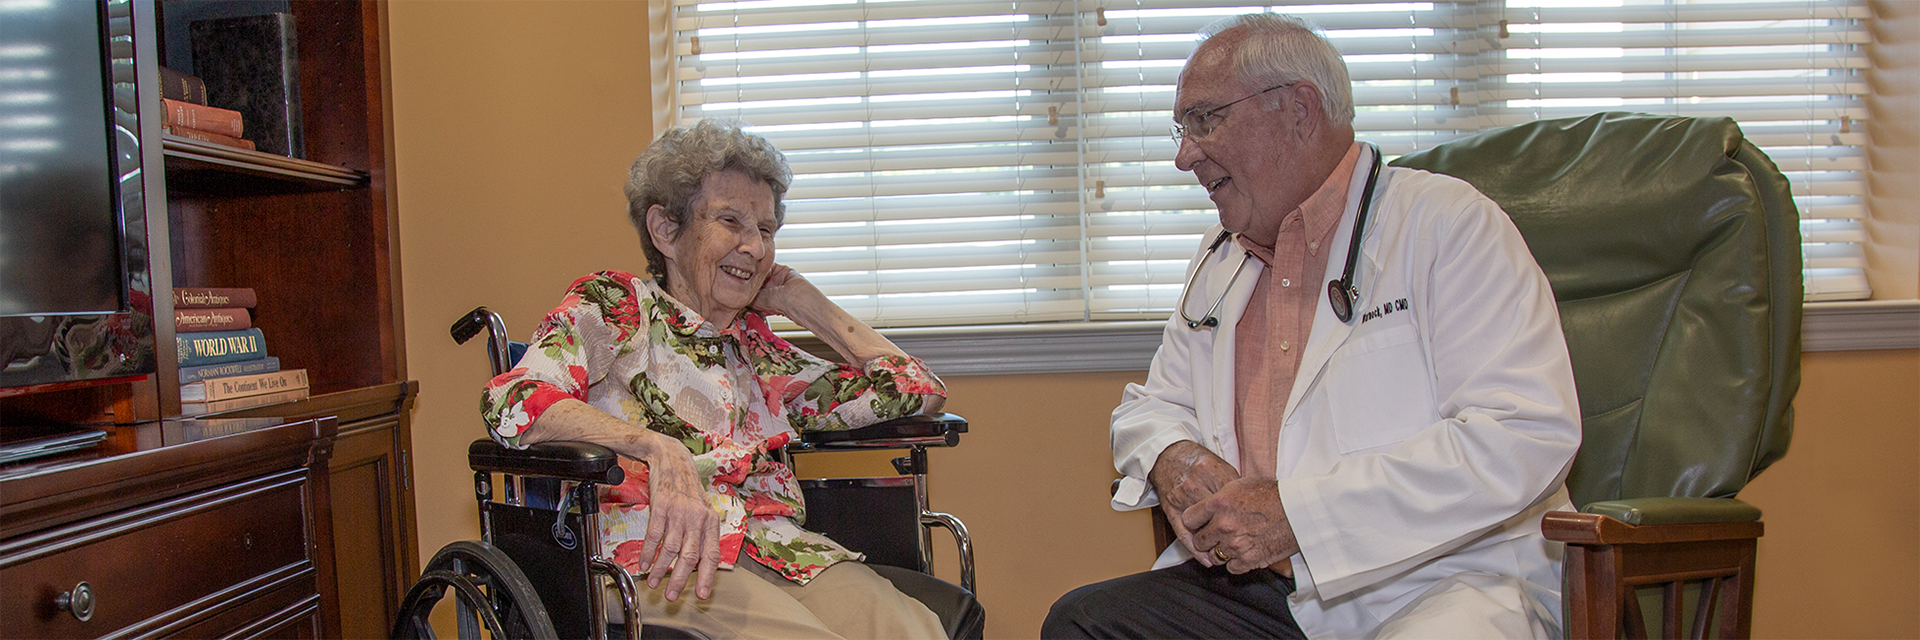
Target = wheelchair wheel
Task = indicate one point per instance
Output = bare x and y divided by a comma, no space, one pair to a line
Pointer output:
491,592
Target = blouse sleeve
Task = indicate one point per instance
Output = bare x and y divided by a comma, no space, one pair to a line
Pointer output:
823,396
844,396
570,351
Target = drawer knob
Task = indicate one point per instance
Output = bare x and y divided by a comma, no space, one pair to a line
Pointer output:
78,602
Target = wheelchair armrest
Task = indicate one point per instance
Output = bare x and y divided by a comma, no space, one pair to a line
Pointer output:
575,461
941,430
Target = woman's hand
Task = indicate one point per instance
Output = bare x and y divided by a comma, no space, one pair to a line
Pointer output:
683,533
786,293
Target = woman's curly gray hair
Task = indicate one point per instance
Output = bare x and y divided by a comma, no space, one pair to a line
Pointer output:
669,173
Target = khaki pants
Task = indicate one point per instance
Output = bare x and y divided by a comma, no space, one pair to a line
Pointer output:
848,600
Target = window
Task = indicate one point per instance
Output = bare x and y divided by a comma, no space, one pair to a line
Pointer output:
970,162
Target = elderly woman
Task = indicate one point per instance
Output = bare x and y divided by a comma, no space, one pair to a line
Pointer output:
681,374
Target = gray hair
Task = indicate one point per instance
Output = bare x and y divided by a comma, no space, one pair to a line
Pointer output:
1281,49
669,173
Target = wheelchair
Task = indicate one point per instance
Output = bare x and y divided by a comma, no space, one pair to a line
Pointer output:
537,571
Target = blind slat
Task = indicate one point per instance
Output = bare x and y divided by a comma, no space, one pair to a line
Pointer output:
1010,161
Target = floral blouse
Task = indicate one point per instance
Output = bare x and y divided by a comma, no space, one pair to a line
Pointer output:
732,395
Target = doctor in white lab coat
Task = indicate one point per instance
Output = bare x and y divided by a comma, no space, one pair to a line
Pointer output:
1421,440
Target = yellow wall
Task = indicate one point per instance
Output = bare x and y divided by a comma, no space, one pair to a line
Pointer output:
514,124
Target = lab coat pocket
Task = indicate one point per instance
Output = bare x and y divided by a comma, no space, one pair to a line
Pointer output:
1377,389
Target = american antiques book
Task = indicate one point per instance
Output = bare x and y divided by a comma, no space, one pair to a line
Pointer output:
201,117
213,297
251,65
190,375
197,408
219,319
241,386
215,347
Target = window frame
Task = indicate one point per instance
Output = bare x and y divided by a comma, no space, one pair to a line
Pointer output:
1129,345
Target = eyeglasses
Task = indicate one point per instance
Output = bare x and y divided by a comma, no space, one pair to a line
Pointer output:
1200,125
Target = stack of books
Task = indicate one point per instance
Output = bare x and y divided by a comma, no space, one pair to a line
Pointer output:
238,81
223,358
188,115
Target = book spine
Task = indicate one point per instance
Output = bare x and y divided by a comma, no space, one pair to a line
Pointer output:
213,297
190,375
242,386
197,408
202,117
209,136
215,347
220,319
175,85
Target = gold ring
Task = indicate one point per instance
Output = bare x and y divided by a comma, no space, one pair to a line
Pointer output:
1223,558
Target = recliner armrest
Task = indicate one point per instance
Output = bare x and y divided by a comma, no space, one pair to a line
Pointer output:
575,461
1655,511
938,430
1664,521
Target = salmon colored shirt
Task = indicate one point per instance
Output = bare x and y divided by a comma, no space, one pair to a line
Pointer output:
1273,330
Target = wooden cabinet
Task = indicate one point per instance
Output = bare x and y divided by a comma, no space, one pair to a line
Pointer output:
370,508
322,543
204,529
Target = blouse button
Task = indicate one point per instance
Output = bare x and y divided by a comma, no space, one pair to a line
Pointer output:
1285,346
1284,282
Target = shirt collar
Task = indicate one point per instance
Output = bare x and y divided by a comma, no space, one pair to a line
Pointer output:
1321,211
687,325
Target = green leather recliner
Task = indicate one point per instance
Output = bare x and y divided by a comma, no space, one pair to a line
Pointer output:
1673,248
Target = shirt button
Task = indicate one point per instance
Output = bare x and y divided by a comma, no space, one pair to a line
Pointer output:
1313,248
1285,346
1286,282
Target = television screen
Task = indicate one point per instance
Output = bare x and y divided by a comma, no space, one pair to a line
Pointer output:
59,229
74,301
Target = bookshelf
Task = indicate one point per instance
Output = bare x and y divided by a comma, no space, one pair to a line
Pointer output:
315,238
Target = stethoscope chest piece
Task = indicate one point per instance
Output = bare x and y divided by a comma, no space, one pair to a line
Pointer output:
1340,297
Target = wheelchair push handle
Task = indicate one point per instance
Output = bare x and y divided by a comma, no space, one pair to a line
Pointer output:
470,325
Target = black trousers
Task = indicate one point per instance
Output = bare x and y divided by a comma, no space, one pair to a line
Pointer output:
1186,601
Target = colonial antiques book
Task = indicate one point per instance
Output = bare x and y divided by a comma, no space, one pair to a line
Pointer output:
251,65
213,297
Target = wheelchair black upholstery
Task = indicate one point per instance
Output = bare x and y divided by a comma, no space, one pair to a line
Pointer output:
536,572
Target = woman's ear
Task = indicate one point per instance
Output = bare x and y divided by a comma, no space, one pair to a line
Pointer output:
661,230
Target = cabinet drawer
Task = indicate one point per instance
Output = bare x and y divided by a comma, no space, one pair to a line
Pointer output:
163,567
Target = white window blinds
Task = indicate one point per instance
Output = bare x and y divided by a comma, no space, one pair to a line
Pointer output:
973,162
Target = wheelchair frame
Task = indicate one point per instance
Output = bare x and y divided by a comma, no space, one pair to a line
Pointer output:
499,595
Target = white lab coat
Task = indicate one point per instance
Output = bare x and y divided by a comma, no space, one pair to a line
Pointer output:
1421,443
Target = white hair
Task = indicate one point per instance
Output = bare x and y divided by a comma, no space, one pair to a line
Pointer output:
1281,48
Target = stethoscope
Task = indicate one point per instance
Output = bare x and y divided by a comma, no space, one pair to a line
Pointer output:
1341,293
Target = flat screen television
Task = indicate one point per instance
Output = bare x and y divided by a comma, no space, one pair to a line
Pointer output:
75,292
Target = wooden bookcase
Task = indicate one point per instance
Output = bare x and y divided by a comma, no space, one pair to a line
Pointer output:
315,237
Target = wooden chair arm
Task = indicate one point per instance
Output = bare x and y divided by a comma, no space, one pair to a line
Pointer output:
1595,529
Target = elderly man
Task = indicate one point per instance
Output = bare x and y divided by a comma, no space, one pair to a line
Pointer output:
1367,458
